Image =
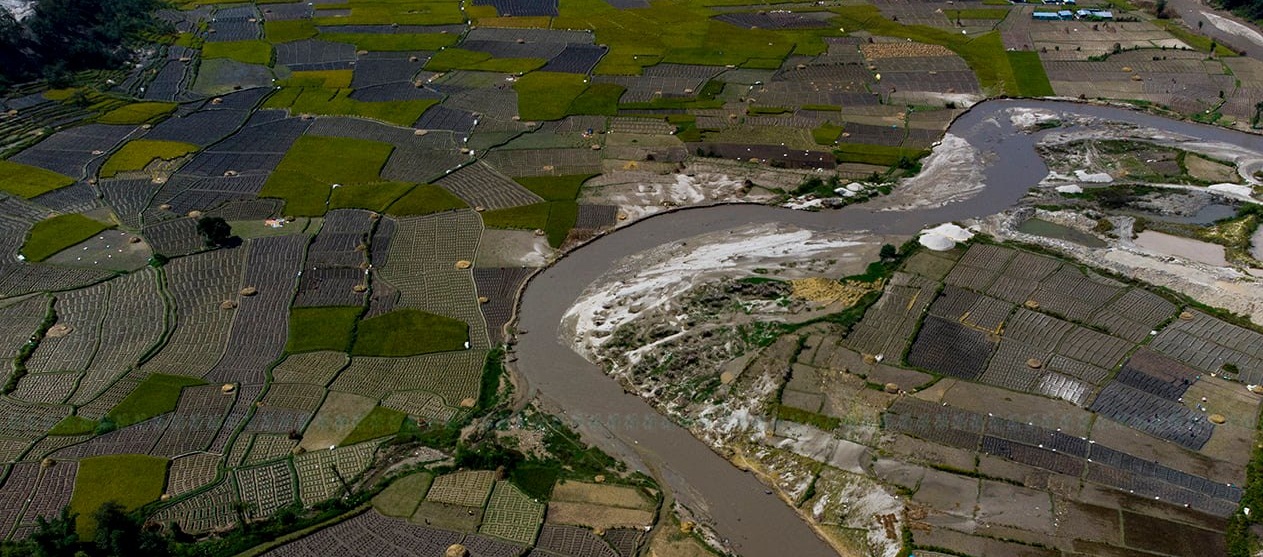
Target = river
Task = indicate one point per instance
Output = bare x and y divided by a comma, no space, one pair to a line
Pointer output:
737,505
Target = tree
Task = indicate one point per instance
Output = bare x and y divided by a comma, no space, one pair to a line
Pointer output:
120,535
56,537
217,233
889,252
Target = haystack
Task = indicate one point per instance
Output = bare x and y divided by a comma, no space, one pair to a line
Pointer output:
456,550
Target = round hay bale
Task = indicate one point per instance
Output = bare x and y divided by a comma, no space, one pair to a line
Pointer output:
479,208
468,402
483,299
374,216
217,100
48,463
98,152
540,232
361,247
1256,389
249,291
195,214
165,206
1127,69
1031,304
134,240
596,147
228,388
622,216
361,52
456,550
1218,418
686,527
870,359
146,126
1136,77
600,478
57,331
463,264
360,288
892,388
166,497
1034,363
228,304
413,59
420,132
727,377
1186,316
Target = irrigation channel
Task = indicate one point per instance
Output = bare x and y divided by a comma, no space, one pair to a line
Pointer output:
734,503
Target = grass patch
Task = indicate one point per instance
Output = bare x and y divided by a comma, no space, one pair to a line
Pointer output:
249,52
379,423
977,13
548,95
555,188
600,99
984,53
769,110
136,155
137,113
338,102
401,497
74,425
826,134
1032,81
821,421
54,234
30,181
425,199
306,175
409,332
374,197
386,12
321,328
880,155
156,395
450,59
332,79
1198,42
555,218
535,478
130,480
288,31
402,42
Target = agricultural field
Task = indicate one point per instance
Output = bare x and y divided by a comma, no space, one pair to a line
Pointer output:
268,273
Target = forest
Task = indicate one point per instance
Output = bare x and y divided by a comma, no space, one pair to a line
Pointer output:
65,36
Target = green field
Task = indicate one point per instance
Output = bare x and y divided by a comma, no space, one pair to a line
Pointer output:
129,480
450,59
374,197
880,155
403,12
136,155
827,133
600,99
332,79
401,42
54,234
409,332
29,181
288,31
306,175
74,425
156,395
548,95
425,199
250,52
401,497
556,218
379,423
137,113
1032,81
338,102
321,328
555,188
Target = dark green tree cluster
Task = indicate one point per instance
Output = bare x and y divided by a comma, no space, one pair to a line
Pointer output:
118,534
1252,9
64,36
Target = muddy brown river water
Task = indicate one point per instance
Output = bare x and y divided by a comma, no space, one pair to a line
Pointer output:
734,503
